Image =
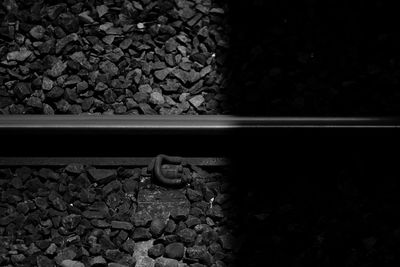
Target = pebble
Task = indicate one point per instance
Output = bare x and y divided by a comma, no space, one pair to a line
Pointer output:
187,236
156,251
174,251
37,32
157,227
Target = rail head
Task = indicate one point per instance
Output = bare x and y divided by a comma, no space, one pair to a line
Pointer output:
193,123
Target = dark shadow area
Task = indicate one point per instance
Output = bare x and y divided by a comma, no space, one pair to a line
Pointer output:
314,58
317,199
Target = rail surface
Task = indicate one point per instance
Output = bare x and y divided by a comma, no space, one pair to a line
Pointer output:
103,161
193,123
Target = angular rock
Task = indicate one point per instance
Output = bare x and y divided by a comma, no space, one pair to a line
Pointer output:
61,43
80,58
145,88
57,69
140,234
55,93
109,68
71,221
68,22
162,74
85,18
102,175
22,90
197,100
47,84
34,102
20,55
157,98
54,11
101,10
109,96
97,261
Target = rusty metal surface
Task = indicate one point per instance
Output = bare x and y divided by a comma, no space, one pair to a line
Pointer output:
101,161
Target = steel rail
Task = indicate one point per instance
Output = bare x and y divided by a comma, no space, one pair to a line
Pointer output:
192,123
102,161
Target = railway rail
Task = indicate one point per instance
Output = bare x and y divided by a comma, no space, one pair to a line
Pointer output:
163,124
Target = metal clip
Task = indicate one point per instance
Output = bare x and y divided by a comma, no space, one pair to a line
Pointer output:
168,174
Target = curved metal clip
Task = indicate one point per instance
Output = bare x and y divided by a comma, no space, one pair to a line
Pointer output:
171,175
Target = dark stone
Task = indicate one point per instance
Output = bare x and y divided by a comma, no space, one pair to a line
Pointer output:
93,214
187,236
68,22
215,212
113,255
43,261
156,251
65,254
198,253
140,234
129,246
194,195
141,218
109,68
157,227
109,96
192,221
5,101
54,11
130,186
71,221
209,237
34,102
22,90
55,93
61,43
111,186
170,227
37,32
102,175
174,251
121,225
